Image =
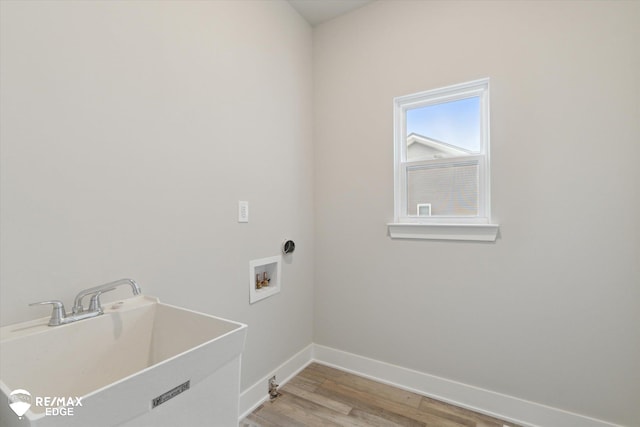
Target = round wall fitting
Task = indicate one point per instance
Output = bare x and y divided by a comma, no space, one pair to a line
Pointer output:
288,247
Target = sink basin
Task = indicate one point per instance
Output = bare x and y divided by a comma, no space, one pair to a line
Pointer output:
141,363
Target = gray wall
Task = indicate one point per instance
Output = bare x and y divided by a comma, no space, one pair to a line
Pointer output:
548,313
130,130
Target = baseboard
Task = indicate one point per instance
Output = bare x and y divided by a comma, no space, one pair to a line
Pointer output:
257,394
502,406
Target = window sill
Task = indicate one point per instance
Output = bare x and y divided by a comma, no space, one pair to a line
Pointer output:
468,232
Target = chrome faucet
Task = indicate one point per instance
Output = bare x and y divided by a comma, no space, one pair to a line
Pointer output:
97,290
60,317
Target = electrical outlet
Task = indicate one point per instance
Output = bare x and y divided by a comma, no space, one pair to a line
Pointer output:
243,211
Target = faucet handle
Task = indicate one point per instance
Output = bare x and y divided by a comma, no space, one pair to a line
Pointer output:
94,304
58,313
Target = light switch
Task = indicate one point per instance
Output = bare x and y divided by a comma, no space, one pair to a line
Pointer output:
243,211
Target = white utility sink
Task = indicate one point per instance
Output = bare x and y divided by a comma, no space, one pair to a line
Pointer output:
141,363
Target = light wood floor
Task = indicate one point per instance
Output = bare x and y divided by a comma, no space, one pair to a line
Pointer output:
323,396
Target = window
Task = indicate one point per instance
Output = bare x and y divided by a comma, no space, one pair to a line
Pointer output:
441,140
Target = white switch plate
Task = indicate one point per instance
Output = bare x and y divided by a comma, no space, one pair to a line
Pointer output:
243,211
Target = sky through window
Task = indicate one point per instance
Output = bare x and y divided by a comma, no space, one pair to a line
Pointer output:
455,122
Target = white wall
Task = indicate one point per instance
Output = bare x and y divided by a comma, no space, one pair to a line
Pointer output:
550,312
130,130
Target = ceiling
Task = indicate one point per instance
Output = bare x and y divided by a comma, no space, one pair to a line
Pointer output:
319,11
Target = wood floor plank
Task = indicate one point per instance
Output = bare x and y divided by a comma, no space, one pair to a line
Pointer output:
481,420
250,422
322,396
326,372
269,412
365,406
395,407
304,383
369,386
317,415
374,420
318,399
448,416
312,375
254,420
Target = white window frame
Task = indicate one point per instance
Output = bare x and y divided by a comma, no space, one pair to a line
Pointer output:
477,227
